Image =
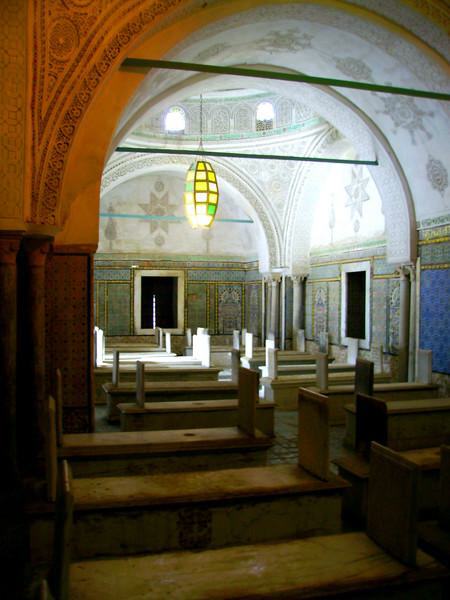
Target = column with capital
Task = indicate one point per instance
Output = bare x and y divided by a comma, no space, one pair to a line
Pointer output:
403,333
274,283
297,307
9,247
32,356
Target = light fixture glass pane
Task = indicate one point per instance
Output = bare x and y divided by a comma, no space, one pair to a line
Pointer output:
201,186
201,175
200,166
201,197
213,187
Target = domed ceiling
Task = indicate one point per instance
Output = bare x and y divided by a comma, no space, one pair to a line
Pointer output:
281,205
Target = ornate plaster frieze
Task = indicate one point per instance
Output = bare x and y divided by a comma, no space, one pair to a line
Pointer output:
76,44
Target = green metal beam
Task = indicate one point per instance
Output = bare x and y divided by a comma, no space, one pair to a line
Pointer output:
147,64
343,161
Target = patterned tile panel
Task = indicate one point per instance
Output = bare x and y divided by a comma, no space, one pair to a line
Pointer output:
324,272
112,274
253,308
379,312
381,267
435,316
196,305
393,314
211,275
309,311
118,309
434,254
230,307
320,299
334,312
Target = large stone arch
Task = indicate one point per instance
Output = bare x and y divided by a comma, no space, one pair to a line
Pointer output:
398,207
368,143
70,71
129,166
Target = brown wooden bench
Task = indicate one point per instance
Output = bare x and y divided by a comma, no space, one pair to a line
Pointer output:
382,563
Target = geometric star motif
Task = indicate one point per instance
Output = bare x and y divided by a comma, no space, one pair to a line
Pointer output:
357,192
159,207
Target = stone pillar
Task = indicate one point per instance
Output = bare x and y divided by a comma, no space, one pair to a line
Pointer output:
403,334
36,251
9,246
283,313
297,307
274,306
412,325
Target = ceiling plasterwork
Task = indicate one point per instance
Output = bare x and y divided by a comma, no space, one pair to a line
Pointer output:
127,167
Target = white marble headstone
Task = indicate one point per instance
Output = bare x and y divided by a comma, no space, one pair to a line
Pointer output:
352,350
272,362
249,345
424,365
99,346
269,344
205,350
323,342
236,339
168,342
301,340
322,371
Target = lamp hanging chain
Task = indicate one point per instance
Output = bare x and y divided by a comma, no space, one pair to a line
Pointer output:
201,123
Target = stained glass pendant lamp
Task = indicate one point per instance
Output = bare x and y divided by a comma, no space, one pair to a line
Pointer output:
201,192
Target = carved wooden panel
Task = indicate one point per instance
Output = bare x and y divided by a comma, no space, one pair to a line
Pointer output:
68,334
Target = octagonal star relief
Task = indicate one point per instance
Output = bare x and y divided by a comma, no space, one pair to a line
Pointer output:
160,206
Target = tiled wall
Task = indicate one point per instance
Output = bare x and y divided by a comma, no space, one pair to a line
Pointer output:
323,302
219,295
434,252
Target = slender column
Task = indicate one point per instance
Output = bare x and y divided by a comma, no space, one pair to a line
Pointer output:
263,310
297,306
412,325
274,305
268,305
283,313
9,246
403,334
36,250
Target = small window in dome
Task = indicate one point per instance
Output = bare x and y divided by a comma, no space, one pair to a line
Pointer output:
264,116
175,121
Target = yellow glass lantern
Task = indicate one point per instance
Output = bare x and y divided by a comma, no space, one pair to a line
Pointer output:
201,194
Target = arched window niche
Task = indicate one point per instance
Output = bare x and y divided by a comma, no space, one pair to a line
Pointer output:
265,116
175,120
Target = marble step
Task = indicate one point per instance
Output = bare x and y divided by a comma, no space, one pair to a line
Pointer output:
194,414
128,452
198,510
345,566
167,391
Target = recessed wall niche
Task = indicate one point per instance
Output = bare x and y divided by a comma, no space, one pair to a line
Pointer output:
158,301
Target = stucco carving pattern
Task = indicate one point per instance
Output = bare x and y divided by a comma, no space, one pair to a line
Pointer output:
128,167
437,174
12,106
68,73
70,87
416,61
